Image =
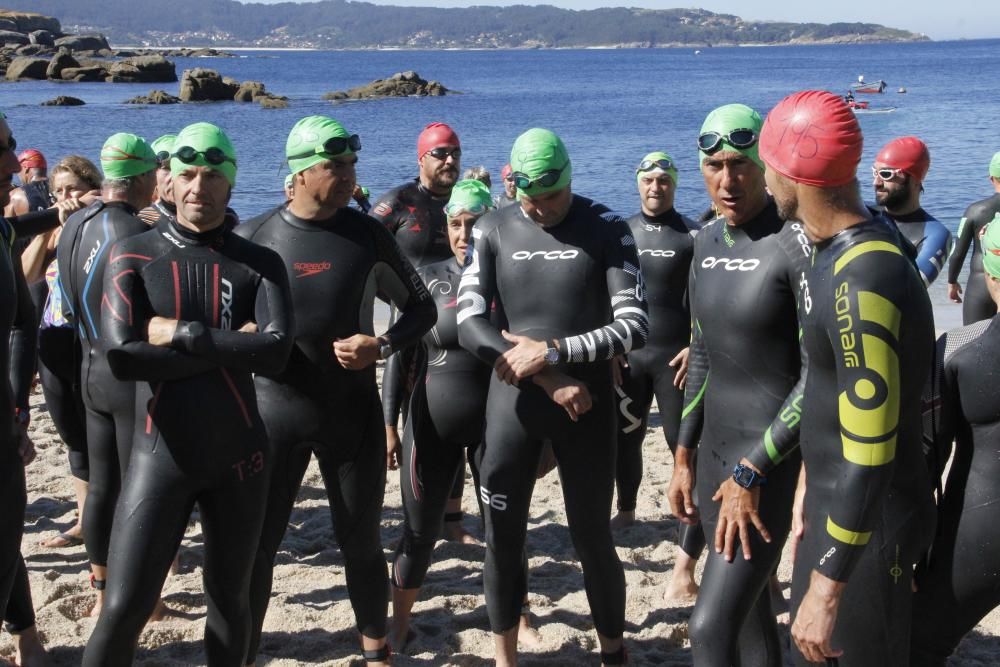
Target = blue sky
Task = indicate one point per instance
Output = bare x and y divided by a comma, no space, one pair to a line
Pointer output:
954,19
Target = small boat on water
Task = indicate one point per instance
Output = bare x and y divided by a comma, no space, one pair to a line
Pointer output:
868,87
863,107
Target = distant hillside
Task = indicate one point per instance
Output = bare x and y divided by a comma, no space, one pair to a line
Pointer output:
342,24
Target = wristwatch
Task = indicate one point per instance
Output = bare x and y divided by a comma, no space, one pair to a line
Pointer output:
384,347
552,353
747,477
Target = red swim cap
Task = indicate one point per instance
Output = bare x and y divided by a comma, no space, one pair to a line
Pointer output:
32,159
506,171
434,135
908,154
812,137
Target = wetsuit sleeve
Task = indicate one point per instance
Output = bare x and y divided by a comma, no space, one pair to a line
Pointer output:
693,414
124,317
384,211
933,250
966,229
265,351
397,280
35,223
23,341
476,290
393,392
864,334
630,323
942,413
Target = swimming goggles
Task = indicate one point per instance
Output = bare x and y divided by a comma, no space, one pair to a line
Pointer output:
213,155
163,157
451,210
442,153
885,173
332,146
711,142
646,165
546,179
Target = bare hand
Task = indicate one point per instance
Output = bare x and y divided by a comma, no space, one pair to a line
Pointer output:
567,392
737,510
357,352
249,327
816,618
393,448
526,358
25,446
618,364
160,331
679,493
68,207
955,292
798,512
680,362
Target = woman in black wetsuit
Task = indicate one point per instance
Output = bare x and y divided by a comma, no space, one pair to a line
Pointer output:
957,585
192,312
977,303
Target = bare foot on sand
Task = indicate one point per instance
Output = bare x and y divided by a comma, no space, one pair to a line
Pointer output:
528,636
454,531
623,520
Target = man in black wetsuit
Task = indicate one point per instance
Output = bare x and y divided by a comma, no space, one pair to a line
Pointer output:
566,273
665,240
191,311
898,173
977,304
868,330
17,361
326,400
509,194
128,164
956,585
33,195
163,203
741,400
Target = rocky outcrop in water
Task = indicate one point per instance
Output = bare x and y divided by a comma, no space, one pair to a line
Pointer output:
64,101
155,97
401,84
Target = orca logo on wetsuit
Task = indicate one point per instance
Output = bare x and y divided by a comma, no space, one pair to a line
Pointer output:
226,317
549,255
735,264
657,253
307,269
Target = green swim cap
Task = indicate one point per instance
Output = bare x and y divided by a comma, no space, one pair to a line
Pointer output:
536,152
164,143
657,156
469,196
304,147
995,165
731,117
202,137
991,247
125,155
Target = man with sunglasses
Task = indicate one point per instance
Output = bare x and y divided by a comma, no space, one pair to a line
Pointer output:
509,194
868,513
566,273
190,313
326,399
977,304
898,178
665,239
742,395
128,163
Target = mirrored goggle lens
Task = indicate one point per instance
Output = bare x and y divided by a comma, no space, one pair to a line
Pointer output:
646,165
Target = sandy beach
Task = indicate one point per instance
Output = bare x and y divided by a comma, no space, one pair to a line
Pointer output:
310,621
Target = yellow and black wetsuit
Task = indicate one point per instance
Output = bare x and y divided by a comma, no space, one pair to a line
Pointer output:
869,334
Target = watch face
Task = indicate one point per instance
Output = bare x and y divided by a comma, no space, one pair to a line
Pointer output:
743,476
552,355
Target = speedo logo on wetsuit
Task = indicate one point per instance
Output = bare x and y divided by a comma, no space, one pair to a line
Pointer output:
657,253
548,255
730,263
307,269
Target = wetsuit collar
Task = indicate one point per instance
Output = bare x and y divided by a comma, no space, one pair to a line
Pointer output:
422,188
661,219
211,237
761,224
302,223
124,205
167,207
920,215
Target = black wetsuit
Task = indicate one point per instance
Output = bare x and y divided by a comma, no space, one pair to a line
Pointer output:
577,281
198,434
976,302
743,393
958,584
161,211
868,330
932,240
83,253
17,325
446,416
336,267
665,244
